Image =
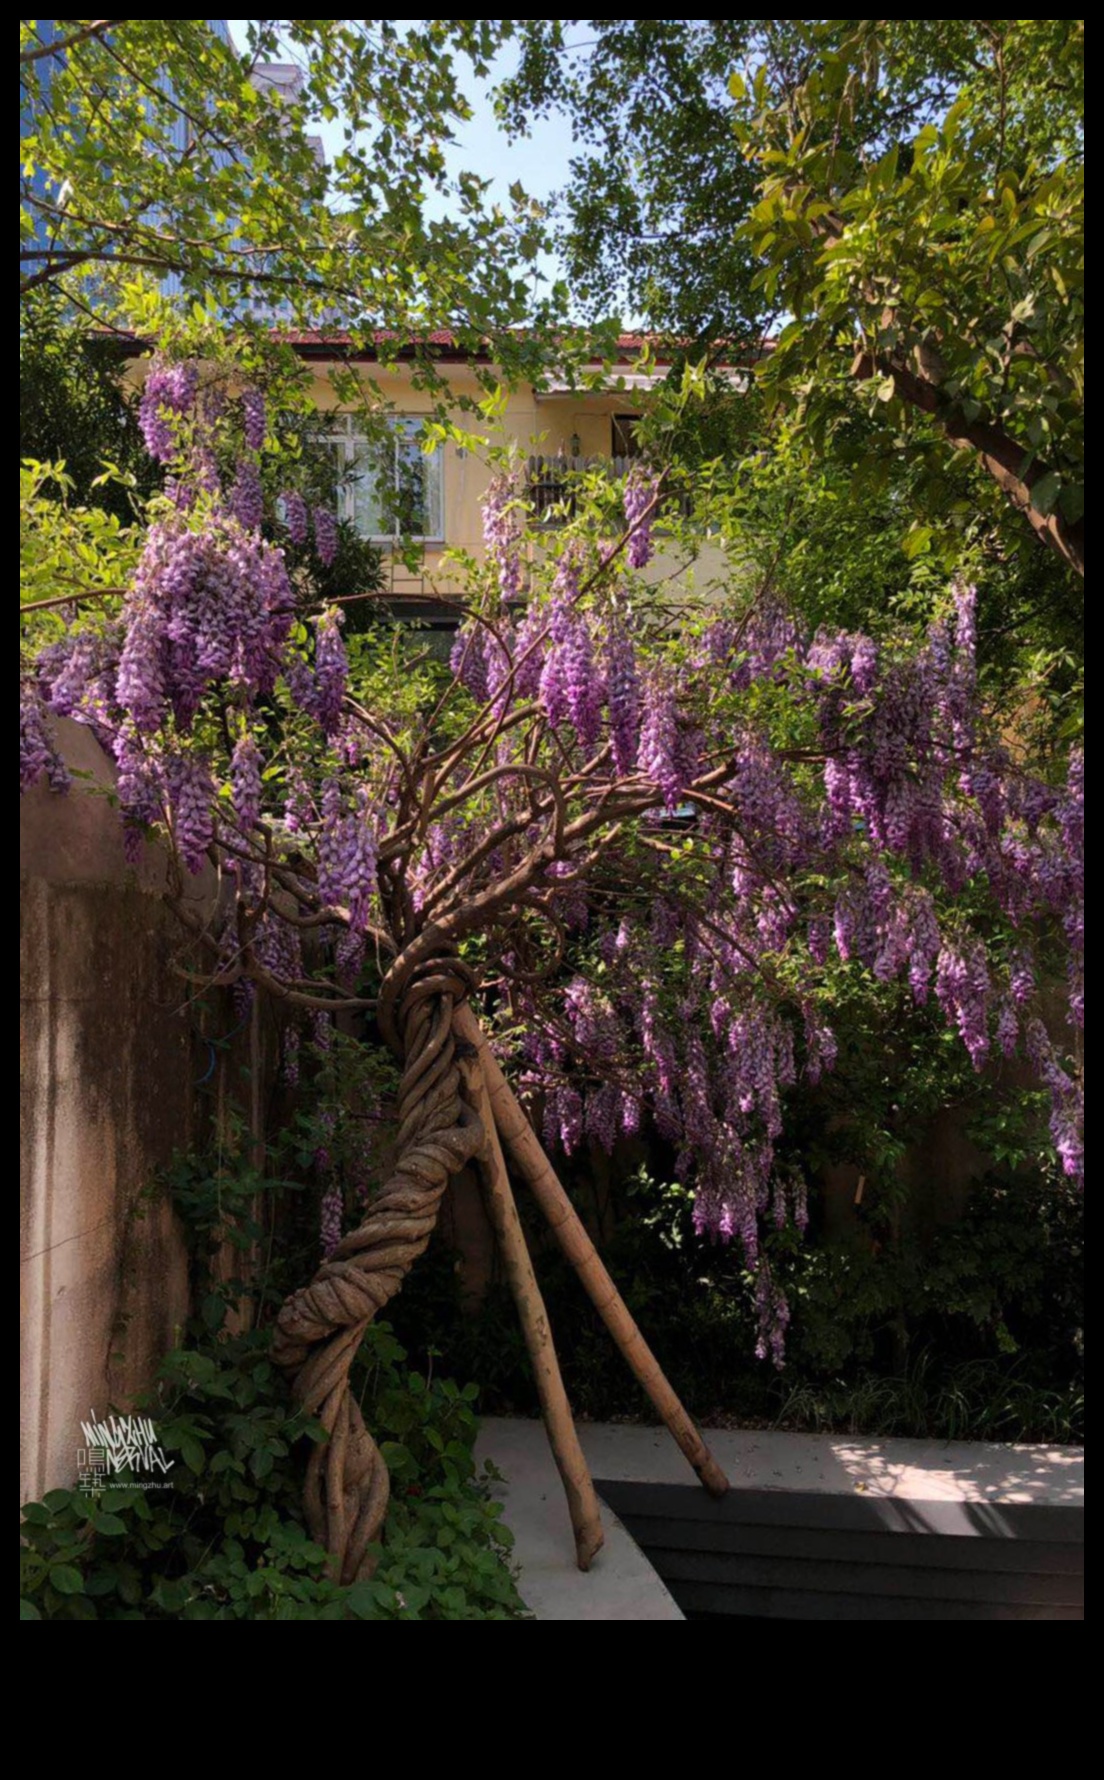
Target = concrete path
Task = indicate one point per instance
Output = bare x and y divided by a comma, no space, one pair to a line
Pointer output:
623,1585
954,1471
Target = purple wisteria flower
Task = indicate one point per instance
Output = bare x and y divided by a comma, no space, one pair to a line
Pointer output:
168,395
254,418
245,780
503,533
347,855
468,659
583,688
325,534
191,791
640,493
331,1218
247,496
204,606
331,669
658,749
296,515
37,754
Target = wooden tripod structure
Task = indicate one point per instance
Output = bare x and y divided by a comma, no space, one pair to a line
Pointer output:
505,1125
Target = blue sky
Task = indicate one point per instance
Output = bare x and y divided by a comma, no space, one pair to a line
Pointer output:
539,161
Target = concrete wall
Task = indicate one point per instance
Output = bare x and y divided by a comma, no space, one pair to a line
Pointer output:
106,1093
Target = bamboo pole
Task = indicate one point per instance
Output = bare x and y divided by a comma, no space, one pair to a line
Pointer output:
531,1162
582,1503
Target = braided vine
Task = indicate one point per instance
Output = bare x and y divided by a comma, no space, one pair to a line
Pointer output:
320,1327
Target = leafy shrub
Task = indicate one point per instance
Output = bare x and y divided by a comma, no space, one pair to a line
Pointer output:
224,1539
976,1332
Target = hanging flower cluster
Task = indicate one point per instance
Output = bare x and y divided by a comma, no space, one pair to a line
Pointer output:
347,856
205,606
641,489
325,534
168,395
37,753
254,418
296,515
503,534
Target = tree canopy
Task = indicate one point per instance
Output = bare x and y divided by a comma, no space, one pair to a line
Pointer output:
898,203
153,158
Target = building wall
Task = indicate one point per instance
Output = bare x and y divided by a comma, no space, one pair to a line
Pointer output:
546,425
106,1095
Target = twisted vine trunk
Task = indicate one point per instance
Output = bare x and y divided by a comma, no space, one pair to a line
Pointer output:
447,1064
320,1328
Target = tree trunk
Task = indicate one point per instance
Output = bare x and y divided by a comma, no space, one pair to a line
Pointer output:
320,1328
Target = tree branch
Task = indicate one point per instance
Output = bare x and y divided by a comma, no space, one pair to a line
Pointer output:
61,45
1002,455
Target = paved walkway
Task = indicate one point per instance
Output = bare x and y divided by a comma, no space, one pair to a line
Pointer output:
622,1583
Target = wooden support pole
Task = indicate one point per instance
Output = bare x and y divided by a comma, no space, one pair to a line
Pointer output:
533,1165
582,1503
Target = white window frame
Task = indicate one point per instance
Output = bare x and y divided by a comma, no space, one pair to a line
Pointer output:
347,442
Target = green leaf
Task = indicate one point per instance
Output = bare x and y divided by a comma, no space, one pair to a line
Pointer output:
66,1579
366,1598
1045,492
213,1310
172,1596
261,1463
101,1582
192,1453
1072,501
917,541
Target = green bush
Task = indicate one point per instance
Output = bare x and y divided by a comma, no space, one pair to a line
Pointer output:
973,1333
224,1538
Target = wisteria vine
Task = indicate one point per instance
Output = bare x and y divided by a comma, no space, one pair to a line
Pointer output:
587,784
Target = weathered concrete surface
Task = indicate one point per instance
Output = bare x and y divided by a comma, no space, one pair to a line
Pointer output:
106,1094
956,1470
622,1583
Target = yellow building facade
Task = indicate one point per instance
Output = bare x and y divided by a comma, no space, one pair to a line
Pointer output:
400,492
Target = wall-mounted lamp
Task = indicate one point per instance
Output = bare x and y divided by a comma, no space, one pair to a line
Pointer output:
576,445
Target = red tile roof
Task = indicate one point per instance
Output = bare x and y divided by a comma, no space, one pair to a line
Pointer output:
444,343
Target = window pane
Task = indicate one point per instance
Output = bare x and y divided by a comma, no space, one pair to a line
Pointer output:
396,489
334,467
372,483
433,476
410,486
625,441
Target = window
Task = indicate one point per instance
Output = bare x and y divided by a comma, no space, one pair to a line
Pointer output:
625,441
388,487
